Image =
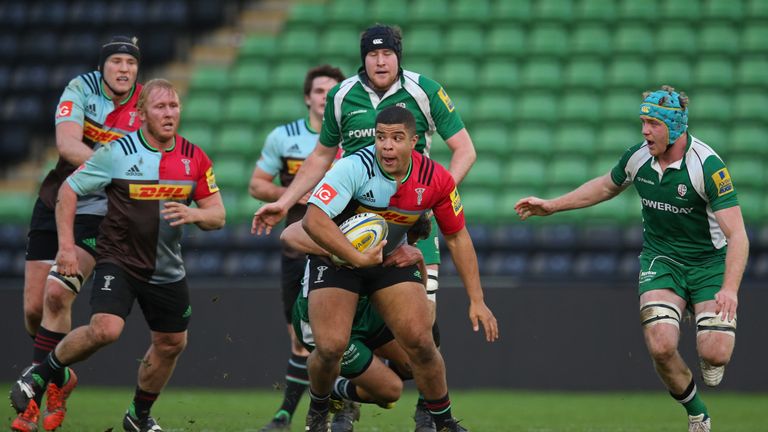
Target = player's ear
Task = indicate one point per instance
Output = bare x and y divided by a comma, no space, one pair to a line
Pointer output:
414,140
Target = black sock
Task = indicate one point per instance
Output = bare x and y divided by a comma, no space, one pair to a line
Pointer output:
45,342
43,373
142,404
319,403
296,382
346,389
440,410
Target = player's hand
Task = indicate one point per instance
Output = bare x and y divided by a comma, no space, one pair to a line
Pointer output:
533,206
727,301
177,213
479,313
66,261
371,257
404,256
267,217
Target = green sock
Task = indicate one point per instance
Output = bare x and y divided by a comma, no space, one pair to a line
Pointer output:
691,401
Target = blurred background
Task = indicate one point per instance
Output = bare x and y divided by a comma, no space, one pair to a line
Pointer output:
549,91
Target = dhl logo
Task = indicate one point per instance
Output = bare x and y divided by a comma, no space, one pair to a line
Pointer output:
99,135
159,192
293,165
393,216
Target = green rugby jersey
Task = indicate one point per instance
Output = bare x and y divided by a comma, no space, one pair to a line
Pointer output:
678,204
352,107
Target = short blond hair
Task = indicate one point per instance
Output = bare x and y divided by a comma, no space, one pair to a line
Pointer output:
150,85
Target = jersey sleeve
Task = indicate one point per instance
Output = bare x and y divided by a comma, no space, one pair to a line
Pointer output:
95,174
448,210
206,182
619,173
72,102
718,184
447,119
330,134
338,187
270,161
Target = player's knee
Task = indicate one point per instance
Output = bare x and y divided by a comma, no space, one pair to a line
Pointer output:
715,338
170,347
331,350
57,299
420,347
661,349
102,335
716,355
33,315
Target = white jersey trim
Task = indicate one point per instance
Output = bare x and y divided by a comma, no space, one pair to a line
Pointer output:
422,99
697,154
637,160
338,98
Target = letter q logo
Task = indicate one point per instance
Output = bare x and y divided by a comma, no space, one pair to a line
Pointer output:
378,41
325,193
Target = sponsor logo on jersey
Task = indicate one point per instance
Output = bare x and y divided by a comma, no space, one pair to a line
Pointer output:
64,109
293,149
210,178
159,192
133,115
362,133
662,206
98,135
90,108
646,276
456,202
107,281
186,163
644,180
326,193
293,165
133,171
368,196
396,217
682,189
419,195
723,182
355,112
446,99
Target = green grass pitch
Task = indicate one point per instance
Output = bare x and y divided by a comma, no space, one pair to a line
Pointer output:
100,409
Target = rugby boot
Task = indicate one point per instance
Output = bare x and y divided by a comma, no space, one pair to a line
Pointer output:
343,420
281,423
56,402
712,375
131,424
317,421
452,425
26,421
423,419
699,423
25,389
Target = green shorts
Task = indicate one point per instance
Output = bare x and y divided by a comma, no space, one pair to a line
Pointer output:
693,283
430,246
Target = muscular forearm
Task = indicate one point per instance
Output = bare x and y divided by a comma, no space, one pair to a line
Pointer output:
66,206
211,218
73,150
735,260
265,191
323,231
294,237
312,170
465,259
464,155
590,193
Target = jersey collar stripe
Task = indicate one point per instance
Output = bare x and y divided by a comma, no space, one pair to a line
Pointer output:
365,156
90,79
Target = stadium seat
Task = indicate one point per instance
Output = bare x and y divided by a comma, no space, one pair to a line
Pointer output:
391,11
548,39
575,138
289,75
339,40
209,78
541,73
242,108
202,107
421,65
553,10
585,72
238,141
570,171
632,11
492,107
200,134
579,106
308,15
680,10
298,42
283,106
751,105
747,172
673,38
509,11
465,41
423,41
593,39
491,139
596,10
506,41
719,38
524,172
471,11
348,12
499,75
633,39
257,48
752,203
713,105
250,75
712,133
613,211
748,139
485,172
672,70
752,70
613,139
756,9
537,106
432,12
532,139
552,265
716,10
17,207
713,72
9,46
232,174
622,106
754,38
629,72
459,73
605,163
479,204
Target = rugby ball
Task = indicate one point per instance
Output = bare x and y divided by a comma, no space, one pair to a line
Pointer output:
364,231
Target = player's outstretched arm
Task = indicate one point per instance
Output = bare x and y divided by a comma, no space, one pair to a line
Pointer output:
465,259
66,205
732,224
590,193
464,155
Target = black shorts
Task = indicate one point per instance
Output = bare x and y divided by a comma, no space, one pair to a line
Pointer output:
165,306
324,274
292,273
43,241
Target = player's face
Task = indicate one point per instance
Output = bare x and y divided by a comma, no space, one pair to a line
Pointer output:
161,115
316,98
120,71
381,67
393,148
655,132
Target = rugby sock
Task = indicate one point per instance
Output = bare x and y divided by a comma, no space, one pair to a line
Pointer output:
142,404
296,382
440,410
45,342
691,400
43,373
345,389
319,403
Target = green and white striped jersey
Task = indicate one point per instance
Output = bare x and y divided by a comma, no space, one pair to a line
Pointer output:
678,204
352,106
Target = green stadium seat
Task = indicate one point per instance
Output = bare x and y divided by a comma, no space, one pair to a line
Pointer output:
542,73
298,42
509,11
568,171
284,106
719,38
712,134
754,38
465,41
532,139
250,75
633,39
346,63
493,107
585,72
593,39
349,12
499,74
246,207
464,101
617,137
307,15
619,209
421,65
238,141
675,37
603,164
672,70
633,11
257,47
712,105
485,172
748,139
757,9
201,108
713,72
232,174
752,203
506,41
579,106
459,73
732,10
554,10
209,78
752,71
622,106
629,72
596,10
433,12
473,11
339,40
491,139
525,171
480,204
751,105
679,10
198,133
537,106
548,39
575,139
439,151
242,108
390,11
289,74
17,207
423,41
509,197
747,172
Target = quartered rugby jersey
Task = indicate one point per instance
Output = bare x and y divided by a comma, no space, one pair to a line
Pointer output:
352,106
85,103
138,180
284,151
678,204
357,184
